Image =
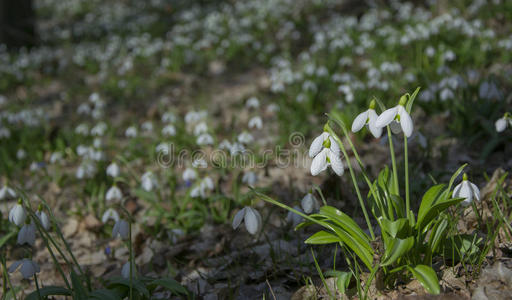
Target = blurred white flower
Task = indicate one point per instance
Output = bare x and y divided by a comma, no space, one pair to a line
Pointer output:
28,267
6,192
27,234
99,129
169,130
199,163
189,174
149,182
56,157
309,203
252,102
245,138
114,193
204,139
17,214
168,117
251,218
131,132
110,214
43,218
125,270
21,154
200,128
255,122
147,126
113,170
122,229
467,190
250,178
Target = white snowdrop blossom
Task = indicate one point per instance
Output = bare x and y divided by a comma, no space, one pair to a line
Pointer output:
114,193
250,178
125,270
252,102
201,190
168,117
250,217
17,214
110,214
255,122
467,190
148,180
99,129
169,130
502,123
147,126
122,229
28,267
43,218
113,170
82,129
325,152
56,157
368,118
21,154
7,192
189,174
27,234
204,139
399,114
200,128
245,138
309,203
131,132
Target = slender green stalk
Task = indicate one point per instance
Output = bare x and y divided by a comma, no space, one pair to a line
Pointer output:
6,277
393,161
130,249
321,275
406,160
354,180
37,287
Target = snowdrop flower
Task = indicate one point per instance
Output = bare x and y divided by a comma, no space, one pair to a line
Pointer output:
21,154
5,132
326,152
204,139
6,191
189,174
169,130
86,170
502,123
399,114
168,117
17,214
147,126
97,143
56,157
113,170
294,218
251,218
99,129
368,118
309,203
199,163
252,102
125,270
250,178
467,190
131,132
110,214
27,234
245,138
121,229
200,128
82,129
256,122
114,193
28,267
163,148
43,218
148,181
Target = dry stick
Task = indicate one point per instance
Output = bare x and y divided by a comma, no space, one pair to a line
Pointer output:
270,287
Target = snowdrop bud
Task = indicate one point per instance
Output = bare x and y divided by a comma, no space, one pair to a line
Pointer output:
17,215
28,267
125,270
309,203
6,191
27,234
121,229
501,124
204,139
467,190
43,218
251,218
113,170
110,214
114,193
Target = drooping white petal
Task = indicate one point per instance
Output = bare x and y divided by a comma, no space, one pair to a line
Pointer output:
372,118
121,228
456,190
17,215
43,218
465,192
294,218
386,117
252,220
336,163
475,190
319,163
125,270
317,144
405,121
335,148
500,124
114,193
29,268
113,170
238,218
360,121
15,265
308,203
27,234
110,214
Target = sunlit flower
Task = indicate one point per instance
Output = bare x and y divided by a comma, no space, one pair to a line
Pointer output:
467,190
122,229
114,193
399,114
110,214
309,203
27,234
113,170
368,118
326,152
17,215
28,267
251,218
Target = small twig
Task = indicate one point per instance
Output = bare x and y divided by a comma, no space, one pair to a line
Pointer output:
270,287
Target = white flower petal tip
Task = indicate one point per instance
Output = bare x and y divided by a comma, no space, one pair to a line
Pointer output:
386,117
336,163
319,163
237,220
317,144
250,217
406,123
467,190
360,121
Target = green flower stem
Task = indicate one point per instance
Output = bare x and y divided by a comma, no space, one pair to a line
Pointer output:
130,260
406,160
354,180
8,279
393,161
37,287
